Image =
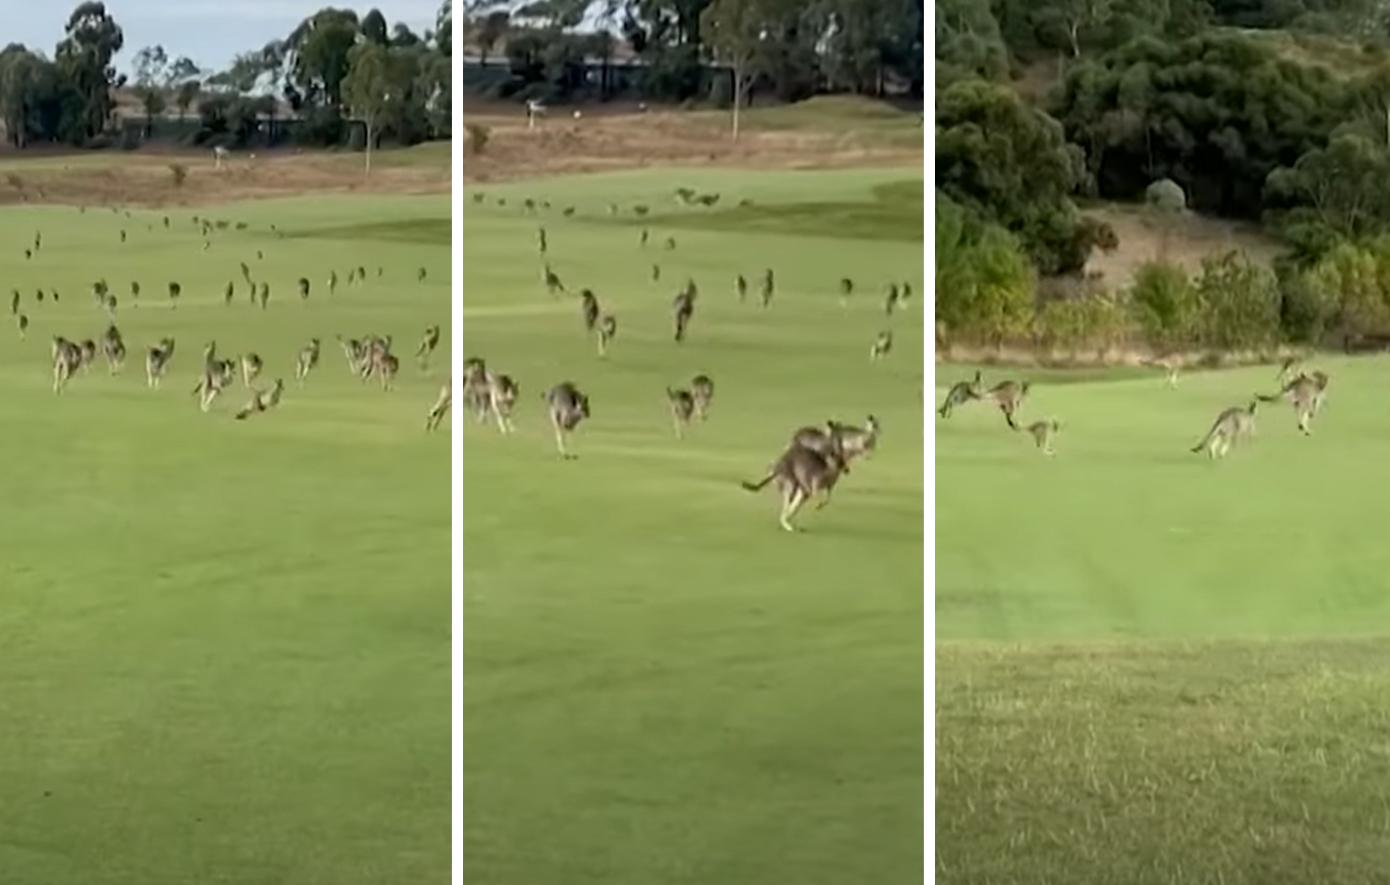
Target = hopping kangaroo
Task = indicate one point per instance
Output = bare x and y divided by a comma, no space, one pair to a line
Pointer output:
502,392
67,359
607,328
702,388
1170,363
589,309
251,365
682,409
263,401
1009,396
306,360
800,474
568,406
428,342
961,393
683,308
1306,394
441,405
475,388
157,361
217,376
1043,432
1230,426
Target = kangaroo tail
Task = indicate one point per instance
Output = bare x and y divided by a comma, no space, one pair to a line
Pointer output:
759,485
1270,398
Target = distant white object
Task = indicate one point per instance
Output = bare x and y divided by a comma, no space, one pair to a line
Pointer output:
219,154
577,115
642,106
534,109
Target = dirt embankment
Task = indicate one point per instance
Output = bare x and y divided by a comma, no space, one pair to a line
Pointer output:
512,150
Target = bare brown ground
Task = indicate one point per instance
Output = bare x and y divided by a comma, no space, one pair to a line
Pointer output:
615,138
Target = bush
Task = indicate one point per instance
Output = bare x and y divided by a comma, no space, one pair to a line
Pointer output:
1240,303
1165,305
179,173
477,137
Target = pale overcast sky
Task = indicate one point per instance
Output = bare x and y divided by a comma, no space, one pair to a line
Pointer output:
208,31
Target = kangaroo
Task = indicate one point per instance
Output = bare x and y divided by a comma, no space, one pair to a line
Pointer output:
264,295
306,360
385,365
1043,432
1170,363
67,359
475,388
961,393
568,406
428,342
553,285
332,281
217,376
1230,426
846,289
769,287
251,366
502,393
1008,395
741,287
589,308
22,321
353,353
1306,394
683,308
702,388
682,409
855,443
157,361
1287,369
882,345
89,353
607,328
441,405
800,474
303,288
263,401
113,348
229,293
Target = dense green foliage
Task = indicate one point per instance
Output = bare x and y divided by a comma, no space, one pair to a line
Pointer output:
69,99
1166,104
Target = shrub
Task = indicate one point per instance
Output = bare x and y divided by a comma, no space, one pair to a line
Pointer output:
1165,304
478,137
179,173
1240,303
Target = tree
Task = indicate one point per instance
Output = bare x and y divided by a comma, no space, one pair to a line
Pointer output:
84,64
444,29
491,29
184,96
366,89
320,47
373,28
151,71
733,30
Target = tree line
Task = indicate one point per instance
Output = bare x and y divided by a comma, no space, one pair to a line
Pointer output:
1176,106
703,49
335,68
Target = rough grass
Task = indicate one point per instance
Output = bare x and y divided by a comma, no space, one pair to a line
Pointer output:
226,643
1152,668
890,211
659,685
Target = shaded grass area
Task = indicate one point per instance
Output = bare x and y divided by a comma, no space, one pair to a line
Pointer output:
416,230
894,211
1152,667
226,643
1232,762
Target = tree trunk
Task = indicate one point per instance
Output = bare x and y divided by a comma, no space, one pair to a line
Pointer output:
738,95
369,149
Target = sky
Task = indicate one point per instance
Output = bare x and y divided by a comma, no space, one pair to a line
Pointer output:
210,32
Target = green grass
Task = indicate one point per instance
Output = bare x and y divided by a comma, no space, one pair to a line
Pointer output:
851,116
659,685
226,644
892,211
1154,668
